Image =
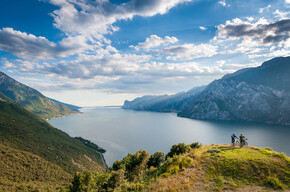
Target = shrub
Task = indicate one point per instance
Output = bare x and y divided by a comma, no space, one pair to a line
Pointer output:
156,159
173,169
134,165
166,175
186,162
275,183
178,149
195,145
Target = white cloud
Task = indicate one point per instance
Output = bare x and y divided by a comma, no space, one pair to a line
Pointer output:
189,51
281,14
29,46
223,3
287,1
261,10
96,18
203,28
155,41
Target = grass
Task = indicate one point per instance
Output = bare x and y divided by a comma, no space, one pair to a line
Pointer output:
22,130
223,168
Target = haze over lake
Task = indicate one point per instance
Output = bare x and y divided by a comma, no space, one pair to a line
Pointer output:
122,131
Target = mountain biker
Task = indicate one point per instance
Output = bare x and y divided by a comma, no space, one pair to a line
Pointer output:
242,140
233,137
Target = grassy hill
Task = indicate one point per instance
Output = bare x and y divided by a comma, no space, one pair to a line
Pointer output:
31,99
193,168
23,130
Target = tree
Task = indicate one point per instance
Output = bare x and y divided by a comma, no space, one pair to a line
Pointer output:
156,159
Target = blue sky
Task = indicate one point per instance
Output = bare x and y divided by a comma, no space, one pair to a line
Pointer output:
101,52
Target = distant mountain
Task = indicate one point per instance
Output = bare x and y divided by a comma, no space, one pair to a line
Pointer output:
32,99
260,94
162,103
22,130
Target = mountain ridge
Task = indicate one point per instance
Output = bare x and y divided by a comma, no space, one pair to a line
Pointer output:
32,99
258,94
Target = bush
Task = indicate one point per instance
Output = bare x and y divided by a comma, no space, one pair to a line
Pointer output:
195,145
178,149
186,162
173,169
134,165
156,159
275,183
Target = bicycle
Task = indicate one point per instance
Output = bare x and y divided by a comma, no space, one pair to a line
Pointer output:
244,143
236,143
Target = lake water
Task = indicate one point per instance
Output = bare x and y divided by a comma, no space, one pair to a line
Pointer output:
125,131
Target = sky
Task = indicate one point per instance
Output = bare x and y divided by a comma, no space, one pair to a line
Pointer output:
102,52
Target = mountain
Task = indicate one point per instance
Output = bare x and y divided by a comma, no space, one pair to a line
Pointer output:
22,130
260,94
192,168
72,107
31,99
163,103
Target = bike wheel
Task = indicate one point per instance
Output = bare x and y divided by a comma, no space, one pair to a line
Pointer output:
246,144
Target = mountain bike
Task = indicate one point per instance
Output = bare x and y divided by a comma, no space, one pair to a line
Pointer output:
236,143
244,143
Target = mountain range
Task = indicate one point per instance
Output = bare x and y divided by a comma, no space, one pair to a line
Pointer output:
33,100
259,94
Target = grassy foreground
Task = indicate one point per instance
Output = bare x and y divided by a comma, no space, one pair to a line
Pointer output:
193,168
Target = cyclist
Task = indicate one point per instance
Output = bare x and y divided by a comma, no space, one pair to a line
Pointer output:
233,137
242,140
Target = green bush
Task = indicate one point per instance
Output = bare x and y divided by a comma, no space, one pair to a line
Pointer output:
195,145
275,183
156,159
186,162
178,149
134,165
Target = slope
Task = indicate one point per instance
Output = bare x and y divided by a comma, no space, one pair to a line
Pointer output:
24,171
31,99
23,130
193,168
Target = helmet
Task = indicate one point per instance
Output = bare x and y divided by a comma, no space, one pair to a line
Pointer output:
241,134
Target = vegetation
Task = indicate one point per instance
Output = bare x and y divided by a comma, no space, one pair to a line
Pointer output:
91,145
33,153
31,99
23,171
192,168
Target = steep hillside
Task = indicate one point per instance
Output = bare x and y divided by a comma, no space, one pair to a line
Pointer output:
260,94
193,168
23,130
24,171
162,103
31,99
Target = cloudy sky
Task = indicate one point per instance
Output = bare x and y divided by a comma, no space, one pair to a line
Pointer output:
101,52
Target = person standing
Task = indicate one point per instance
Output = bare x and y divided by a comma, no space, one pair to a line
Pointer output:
233,137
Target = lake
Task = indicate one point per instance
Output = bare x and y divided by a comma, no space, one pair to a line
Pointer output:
122,131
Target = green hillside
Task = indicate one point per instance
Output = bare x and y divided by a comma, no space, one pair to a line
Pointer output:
23,130
23,171
193,168
31,99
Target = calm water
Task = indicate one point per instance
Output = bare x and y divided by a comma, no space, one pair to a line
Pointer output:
124,131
